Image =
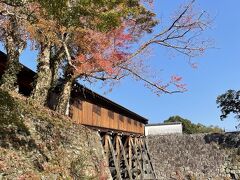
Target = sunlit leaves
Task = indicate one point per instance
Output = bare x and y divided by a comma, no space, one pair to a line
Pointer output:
229,102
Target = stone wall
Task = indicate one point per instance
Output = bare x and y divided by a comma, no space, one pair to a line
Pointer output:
39,144
201,156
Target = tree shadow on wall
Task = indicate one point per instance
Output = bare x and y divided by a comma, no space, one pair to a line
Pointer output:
225,140
14,134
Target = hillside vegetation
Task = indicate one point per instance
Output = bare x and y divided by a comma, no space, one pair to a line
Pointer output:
191,128
36,143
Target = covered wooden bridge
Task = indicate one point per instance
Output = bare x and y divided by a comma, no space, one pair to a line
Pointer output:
121,130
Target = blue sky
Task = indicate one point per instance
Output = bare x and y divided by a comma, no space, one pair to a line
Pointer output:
218,71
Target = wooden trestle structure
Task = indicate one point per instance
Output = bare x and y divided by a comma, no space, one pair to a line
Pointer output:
127,156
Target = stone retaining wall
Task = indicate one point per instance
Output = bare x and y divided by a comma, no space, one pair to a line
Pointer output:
201,156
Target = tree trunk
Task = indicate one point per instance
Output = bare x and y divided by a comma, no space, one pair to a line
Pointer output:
9,78
55,61
54,68
44,76
14,46
64,97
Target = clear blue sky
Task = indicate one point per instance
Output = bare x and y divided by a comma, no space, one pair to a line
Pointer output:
218,71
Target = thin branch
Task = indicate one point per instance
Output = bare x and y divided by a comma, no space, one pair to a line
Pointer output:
162,89
104,78
69,58
177,32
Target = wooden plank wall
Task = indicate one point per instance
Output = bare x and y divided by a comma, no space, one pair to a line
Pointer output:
85,113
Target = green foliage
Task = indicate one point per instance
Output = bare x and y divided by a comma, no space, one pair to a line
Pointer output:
191,128
10,116
103,15
229,102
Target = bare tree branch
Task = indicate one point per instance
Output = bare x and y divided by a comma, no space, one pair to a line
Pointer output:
179,35
149,82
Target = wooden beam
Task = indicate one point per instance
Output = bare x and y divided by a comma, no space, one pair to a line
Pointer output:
125,159
136,156
116,140
130,152
138,147
114,159
148,157
106,148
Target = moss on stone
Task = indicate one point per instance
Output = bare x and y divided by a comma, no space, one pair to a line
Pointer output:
10,115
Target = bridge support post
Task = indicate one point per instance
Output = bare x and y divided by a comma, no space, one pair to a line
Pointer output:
127,157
